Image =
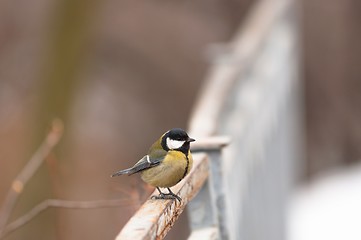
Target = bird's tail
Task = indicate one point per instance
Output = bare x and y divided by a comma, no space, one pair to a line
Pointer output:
128,171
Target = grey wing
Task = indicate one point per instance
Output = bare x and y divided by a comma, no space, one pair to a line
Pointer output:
144,163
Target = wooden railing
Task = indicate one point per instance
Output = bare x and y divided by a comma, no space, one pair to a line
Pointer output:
155,218
251,95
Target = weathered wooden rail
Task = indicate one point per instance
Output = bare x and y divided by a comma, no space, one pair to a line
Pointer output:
251,94
156,217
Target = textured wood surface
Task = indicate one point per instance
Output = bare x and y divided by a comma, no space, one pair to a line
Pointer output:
156,217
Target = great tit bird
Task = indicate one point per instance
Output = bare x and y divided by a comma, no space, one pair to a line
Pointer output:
168,161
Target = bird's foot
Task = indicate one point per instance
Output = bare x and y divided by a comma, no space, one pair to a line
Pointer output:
167,196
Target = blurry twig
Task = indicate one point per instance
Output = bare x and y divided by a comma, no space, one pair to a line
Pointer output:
28,171
61,204
24,176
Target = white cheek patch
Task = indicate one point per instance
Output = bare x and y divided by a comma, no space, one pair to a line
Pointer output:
174,144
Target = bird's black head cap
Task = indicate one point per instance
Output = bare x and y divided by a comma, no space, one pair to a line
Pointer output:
177,135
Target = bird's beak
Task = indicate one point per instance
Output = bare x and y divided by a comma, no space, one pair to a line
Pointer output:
190,139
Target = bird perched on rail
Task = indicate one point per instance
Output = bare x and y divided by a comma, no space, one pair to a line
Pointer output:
168,161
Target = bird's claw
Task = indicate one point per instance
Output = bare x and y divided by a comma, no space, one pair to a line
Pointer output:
167,196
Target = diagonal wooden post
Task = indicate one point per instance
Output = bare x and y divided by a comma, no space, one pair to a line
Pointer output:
156,217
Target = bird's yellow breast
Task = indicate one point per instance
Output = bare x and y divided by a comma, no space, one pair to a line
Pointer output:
170,171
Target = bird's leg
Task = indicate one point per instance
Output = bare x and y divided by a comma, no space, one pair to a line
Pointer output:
169,195
160,192
160,196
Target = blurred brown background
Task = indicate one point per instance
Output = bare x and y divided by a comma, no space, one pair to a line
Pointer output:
332,75
120,73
